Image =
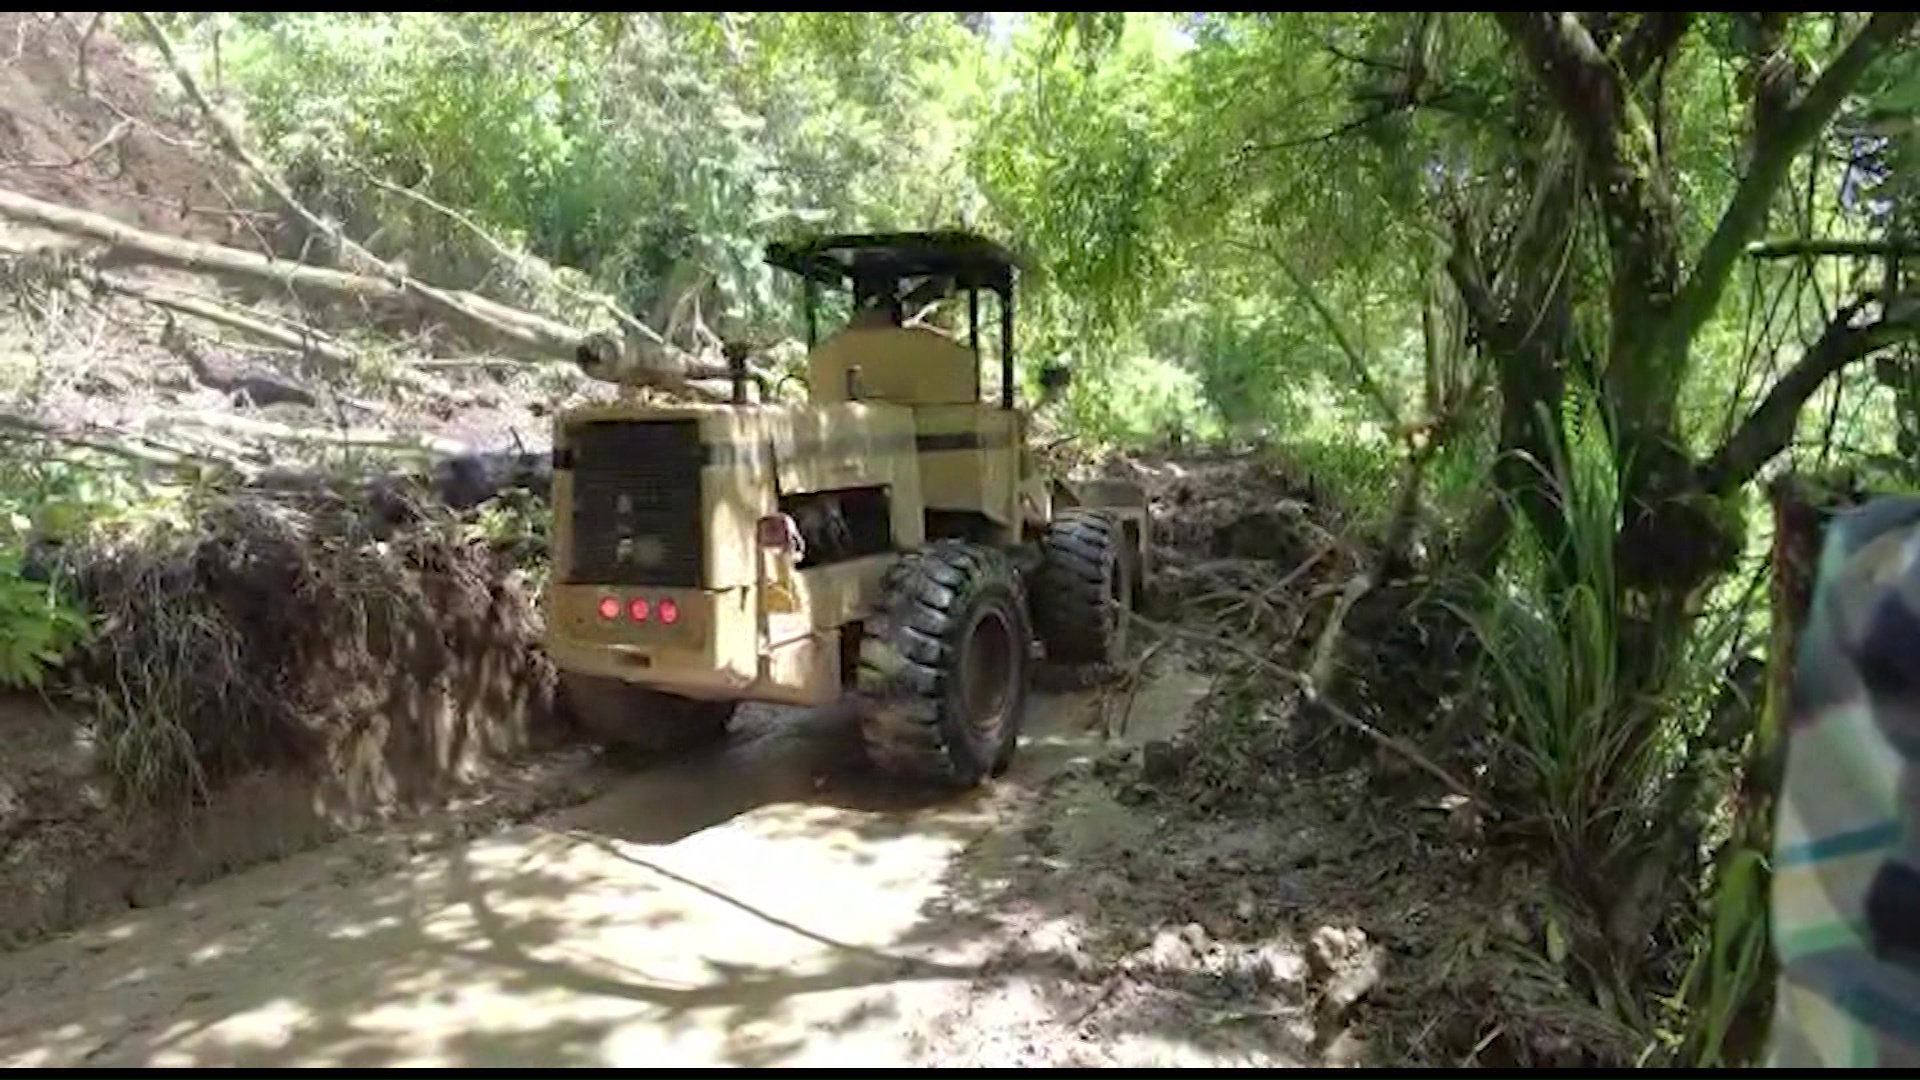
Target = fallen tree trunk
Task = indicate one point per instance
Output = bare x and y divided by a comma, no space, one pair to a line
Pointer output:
300,339
118,444
305,341
468,313
296,337
636,354
355,438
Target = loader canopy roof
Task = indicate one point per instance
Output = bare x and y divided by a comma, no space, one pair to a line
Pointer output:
864,260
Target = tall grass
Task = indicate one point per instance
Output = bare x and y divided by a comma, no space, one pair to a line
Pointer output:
1611,772
1567,742
1728,980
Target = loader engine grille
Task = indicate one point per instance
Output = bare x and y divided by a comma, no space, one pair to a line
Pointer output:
636,503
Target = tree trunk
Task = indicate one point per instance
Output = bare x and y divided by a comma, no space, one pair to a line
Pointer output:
468,313
1525,318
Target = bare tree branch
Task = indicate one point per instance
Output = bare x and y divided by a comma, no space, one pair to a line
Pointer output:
1357,361
1366,119
521,331
261,326
1652,39
228,139
1897,248
80,51
118,444
356,438
618,358
1769,428
112,137
1746,214
1363,61
625,319
303,340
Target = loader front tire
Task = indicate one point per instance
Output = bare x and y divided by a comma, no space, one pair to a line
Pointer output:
943,667
1083,589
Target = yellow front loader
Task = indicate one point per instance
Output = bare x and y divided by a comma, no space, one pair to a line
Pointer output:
890,539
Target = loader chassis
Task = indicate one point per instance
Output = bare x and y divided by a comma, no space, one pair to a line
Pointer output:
751,624
885,539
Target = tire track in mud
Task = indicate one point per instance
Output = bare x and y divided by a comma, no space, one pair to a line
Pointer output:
770,903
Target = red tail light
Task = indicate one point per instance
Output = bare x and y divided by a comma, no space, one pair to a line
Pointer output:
609,608
637,610
669,612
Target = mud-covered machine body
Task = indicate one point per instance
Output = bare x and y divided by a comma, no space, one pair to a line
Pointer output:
889,541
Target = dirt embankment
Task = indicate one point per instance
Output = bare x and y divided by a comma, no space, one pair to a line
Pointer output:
288,671
273,667
89,124
87,132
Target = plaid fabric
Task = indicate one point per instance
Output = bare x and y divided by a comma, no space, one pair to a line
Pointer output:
1846,874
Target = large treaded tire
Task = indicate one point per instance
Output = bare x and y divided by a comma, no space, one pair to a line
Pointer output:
640,719
943,666
1083,589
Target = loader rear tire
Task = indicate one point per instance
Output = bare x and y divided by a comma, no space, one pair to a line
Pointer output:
943,667
1083,589
640,719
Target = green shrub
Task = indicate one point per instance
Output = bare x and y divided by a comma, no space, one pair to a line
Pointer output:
651,150
62,503
38,626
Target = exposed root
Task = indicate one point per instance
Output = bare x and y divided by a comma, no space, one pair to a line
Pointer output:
292,633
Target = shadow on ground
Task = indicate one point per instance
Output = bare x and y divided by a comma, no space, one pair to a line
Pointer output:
770,904
744,907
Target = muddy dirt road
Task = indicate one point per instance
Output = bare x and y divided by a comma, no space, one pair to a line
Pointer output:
768,904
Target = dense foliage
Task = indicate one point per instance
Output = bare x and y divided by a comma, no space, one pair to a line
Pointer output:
657,151
1626,263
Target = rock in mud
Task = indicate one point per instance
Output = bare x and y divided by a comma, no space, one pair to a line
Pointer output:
1196,936
1352,968
1353,983
1059,943
1278,968
1329,947
13,809
1165,760
1171,950
1344,1051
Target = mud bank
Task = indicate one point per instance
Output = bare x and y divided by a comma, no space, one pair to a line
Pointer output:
70,856
284,673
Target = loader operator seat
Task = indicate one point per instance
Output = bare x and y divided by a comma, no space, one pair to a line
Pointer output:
878,311
889,362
